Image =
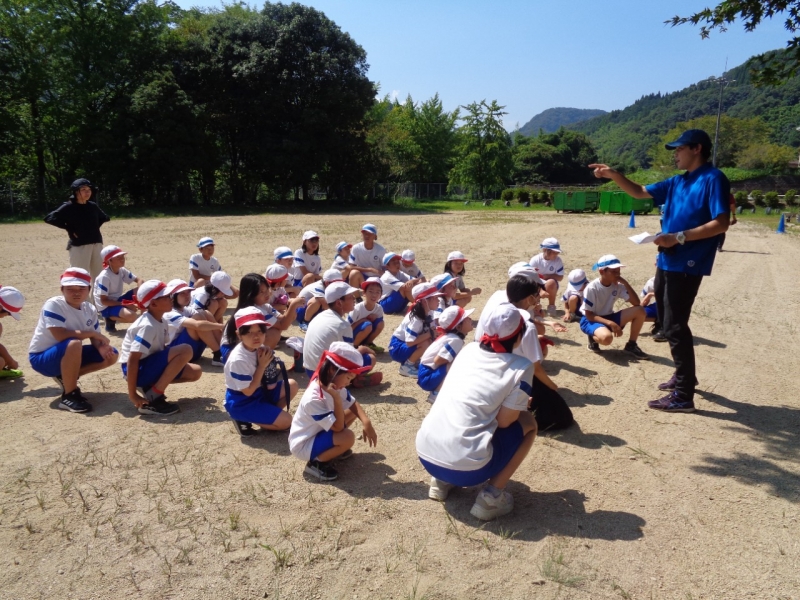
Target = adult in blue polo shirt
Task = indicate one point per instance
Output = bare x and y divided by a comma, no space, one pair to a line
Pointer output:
695,214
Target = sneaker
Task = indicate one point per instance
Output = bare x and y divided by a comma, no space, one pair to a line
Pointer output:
574,318
244,428
592,345
551,310
321,470
671,403
658,336
344,455
216,359
7,373
74,402
408,369
376,349
439,489
111,325
432,397
303,327
367,379
487,507
60,383
159,406
633,349
668,386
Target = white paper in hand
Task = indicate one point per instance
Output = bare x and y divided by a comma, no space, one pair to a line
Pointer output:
642,238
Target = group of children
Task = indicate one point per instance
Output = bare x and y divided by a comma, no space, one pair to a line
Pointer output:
342,310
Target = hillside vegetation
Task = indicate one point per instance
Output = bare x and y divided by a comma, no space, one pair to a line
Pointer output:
550,120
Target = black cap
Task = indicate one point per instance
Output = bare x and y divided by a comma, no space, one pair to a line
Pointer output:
691,137
81,182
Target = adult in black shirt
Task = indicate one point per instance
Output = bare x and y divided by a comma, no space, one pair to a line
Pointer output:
82,219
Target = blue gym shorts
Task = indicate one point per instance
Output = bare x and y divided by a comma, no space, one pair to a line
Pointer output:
260,407
48,362
589,327
429,379
150,368
113,311
651,311
505,443
198,346
393,304
323,442
400,351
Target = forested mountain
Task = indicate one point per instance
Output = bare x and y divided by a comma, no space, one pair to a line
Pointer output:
552,119
624,137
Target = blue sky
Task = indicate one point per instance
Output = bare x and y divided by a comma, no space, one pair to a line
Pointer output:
533,55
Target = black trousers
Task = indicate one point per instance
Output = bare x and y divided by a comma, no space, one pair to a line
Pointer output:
549,408
675,293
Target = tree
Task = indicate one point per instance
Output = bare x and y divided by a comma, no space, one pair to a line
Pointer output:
769,68
483,157
559,157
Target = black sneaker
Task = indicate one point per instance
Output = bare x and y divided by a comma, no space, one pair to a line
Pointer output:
658,336
159,406
321,470
244,428
111,325
216,359
344,455
74,402
633,349
592,345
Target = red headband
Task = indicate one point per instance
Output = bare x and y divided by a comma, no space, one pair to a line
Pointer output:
7,307
179,289
253,319
278,280
455,322
494,340
144,302
77,275
341,362
111,255
427,293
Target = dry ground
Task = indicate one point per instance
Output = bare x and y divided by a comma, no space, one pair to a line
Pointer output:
629,503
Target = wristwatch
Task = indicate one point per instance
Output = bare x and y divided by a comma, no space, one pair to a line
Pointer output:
681,238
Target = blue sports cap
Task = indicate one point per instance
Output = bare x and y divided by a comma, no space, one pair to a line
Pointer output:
206,241
371,228
690,137
389,256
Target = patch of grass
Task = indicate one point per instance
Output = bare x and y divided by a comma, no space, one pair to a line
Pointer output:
555,567
282,556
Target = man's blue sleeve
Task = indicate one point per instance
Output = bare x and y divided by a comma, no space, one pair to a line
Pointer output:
659,191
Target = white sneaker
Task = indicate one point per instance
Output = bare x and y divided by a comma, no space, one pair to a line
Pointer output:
408,370
432,397
439,489
487,507
551,310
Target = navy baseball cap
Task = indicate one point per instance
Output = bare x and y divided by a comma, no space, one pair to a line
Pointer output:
690,137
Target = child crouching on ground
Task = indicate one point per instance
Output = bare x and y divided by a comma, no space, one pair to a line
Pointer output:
453,327
573,297
479,429
108,297
248,398
319,432
197,328
366,318
146,361
413,335
11,303
599,322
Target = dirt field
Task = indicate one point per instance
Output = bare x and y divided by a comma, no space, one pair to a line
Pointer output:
629,503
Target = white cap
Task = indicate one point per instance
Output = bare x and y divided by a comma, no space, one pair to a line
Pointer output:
442,280
607,261
206,241
370,228
342,245
222,281
452,316
389,256
76,276
282,252
338,290
550,244
408,256
346,358
576,280
504,320
11,301
276,273
175,286
251,315
526,270
150,290
331,276
310,235
456,255
110,252
426,289
369,281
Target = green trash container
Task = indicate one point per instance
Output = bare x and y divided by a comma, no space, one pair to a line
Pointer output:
625,203
592,201
605,201
642,205
574,201
559,199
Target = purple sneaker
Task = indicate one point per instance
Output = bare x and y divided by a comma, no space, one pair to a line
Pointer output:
671,403
668,386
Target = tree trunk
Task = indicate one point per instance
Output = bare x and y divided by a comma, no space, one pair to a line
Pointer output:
38,141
